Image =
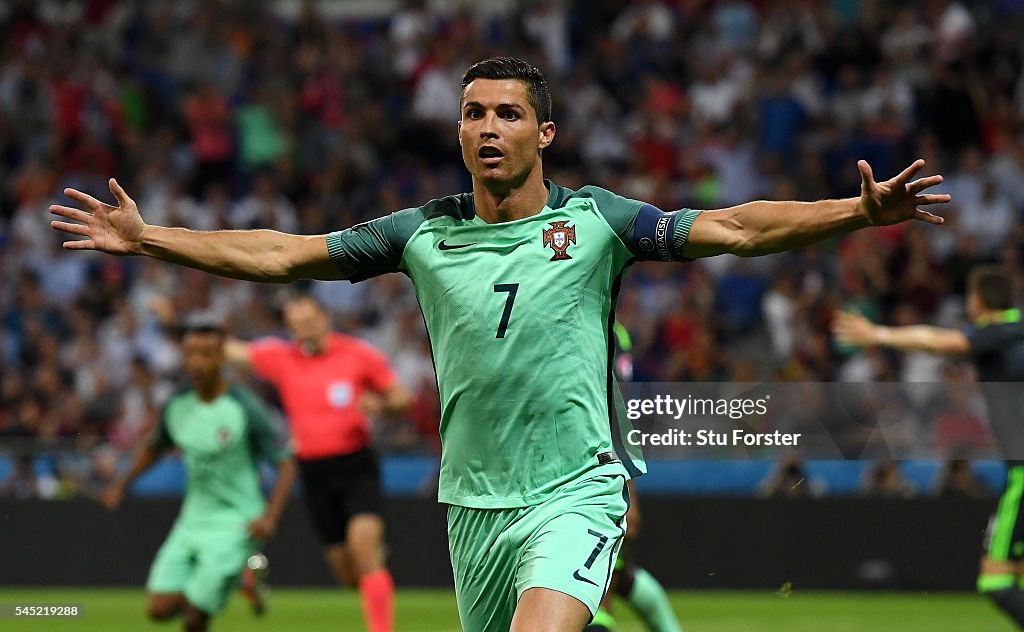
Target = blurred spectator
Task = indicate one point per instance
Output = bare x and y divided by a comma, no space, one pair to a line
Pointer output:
209,120
959,427
305,123
957,480
789,479
546,23
644,20
261,141
139,402
738,298
885,480
436,99
265,207
22,483
780,308
411,31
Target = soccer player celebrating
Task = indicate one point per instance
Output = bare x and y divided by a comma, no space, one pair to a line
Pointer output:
517,282
223,431
325,379
995,344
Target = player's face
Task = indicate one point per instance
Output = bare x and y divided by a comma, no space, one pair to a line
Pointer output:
203,355
308,324
499,133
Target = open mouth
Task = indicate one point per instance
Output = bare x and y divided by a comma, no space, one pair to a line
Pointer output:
490,155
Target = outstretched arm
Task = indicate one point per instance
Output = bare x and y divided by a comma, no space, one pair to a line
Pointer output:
237,353
397,399
855,329
264,527
760,228
144,459
251,255
392,401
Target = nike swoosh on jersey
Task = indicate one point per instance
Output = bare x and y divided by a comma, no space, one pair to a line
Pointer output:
444,246
576,575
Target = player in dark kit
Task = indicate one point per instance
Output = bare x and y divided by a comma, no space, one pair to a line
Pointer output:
518,282
995,344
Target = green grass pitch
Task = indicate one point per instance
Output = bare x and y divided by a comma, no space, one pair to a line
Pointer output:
316,610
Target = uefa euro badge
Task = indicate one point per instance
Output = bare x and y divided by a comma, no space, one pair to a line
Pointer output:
339,394
559,237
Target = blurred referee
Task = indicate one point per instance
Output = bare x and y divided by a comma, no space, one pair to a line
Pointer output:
995,344
327,383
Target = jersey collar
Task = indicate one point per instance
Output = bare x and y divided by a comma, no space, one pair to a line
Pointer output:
557,197
332,342
1000,318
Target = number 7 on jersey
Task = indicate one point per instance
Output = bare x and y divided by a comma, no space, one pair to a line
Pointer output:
506,313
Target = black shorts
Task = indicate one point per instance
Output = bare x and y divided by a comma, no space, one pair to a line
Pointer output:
337,488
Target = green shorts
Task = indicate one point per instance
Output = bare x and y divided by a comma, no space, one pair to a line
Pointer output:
567,543
204,564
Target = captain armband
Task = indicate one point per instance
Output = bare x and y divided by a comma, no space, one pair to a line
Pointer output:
661,236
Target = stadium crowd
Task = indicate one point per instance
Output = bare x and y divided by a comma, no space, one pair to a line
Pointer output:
229,115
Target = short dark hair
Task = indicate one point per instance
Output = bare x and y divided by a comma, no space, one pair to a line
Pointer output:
305,297
993,285
201,323
537,91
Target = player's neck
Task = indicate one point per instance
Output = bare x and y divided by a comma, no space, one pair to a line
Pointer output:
212,389
503,203
314,348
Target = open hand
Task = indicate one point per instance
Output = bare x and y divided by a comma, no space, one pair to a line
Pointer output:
896,200
116,230
854,329
371,404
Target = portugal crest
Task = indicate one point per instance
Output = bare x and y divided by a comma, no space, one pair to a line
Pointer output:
223,437
559,237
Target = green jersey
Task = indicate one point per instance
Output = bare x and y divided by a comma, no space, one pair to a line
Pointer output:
519,315
221,443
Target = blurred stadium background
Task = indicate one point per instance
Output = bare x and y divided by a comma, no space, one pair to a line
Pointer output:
312,116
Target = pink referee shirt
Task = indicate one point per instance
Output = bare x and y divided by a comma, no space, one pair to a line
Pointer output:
321,393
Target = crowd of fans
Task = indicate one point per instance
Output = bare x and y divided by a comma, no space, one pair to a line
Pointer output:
229,115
